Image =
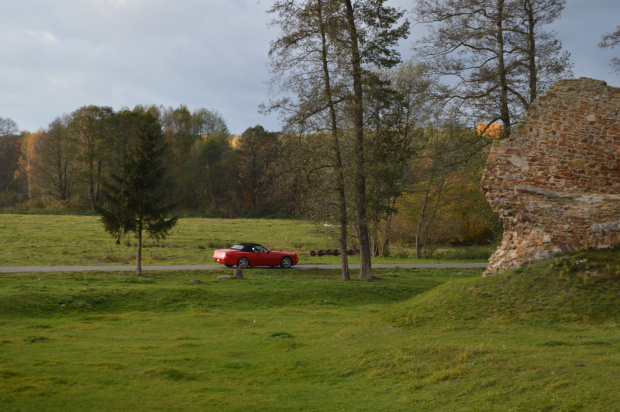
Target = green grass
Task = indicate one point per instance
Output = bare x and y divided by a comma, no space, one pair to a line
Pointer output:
36,240
545,337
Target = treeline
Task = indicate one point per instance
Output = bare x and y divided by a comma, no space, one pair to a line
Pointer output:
209,170
422,173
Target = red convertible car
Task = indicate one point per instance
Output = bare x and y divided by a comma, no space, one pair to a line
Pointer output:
245,255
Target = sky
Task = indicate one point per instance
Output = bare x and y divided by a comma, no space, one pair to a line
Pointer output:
59,55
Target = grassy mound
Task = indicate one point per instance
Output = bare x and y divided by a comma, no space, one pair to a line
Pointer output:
582,287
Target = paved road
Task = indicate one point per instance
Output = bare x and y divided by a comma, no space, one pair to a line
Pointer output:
19,269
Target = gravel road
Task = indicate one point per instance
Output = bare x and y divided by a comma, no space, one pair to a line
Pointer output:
20,269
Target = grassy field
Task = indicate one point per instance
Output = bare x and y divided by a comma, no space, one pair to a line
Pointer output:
36,240
545,337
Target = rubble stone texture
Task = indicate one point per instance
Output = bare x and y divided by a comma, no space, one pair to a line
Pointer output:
555,183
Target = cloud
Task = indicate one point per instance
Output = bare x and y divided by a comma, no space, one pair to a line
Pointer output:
60,55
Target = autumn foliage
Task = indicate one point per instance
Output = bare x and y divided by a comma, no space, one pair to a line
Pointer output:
492,131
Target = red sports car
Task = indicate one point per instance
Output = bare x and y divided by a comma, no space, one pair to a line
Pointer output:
245,255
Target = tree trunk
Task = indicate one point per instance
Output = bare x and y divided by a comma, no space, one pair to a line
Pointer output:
139,253
503,79
531,51
358,115
343,219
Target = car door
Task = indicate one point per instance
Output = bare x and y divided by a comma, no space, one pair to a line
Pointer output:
259,256
264,257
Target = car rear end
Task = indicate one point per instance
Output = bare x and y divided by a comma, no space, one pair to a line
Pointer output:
222,256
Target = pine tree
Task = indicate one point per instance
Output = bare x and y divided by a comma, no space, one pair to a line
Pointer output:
133,199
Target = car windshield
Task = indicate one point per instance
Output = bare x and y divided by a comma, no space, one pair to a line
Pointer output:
237,247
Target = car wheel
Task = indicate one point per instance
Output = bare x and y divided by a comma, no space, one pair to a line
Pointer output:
243,263
286,262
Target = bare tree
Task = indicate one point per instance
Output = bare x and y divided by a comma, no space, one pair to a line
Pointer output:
8,126
611,40
495,54
56,167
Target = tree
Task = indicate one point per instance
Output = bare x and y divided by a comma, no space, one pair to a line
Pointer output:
8,127
371,33
305,61
257,149
185,132
208,122
92,126
393,143
326,56
55,164
9,162
9,159
441,178
495,53
305,57
27,162
216,169
611,40
541,55
133,198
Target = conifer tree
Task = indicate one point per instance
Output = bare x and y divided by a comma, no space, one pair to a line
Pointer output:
133,199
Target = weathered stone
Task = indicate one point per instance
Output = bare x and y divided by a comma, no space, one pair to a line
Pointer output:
564,194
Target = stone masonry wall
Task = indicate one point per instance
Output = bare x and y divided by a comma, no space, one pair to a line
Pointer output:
555,183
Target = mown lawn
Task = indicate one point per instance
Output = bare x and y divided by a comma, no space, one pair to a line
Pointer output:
542,338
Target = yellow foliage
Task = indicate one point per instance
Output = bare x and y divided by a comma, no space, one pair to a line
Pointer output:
493,131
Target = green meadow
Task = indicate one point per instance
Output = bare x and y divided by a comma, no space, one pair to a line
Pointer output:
545,337
36,240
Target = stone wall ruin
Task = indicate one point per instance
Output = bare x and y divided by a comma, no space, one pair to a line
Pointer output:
555,183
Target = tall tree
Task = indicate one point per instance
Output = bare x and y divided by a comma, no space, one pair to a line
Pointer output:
215,167
611,40
56,164
92,127
133,198
327,54
495,53
258,149
9,160
372,31
27,161
307,30
541,52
